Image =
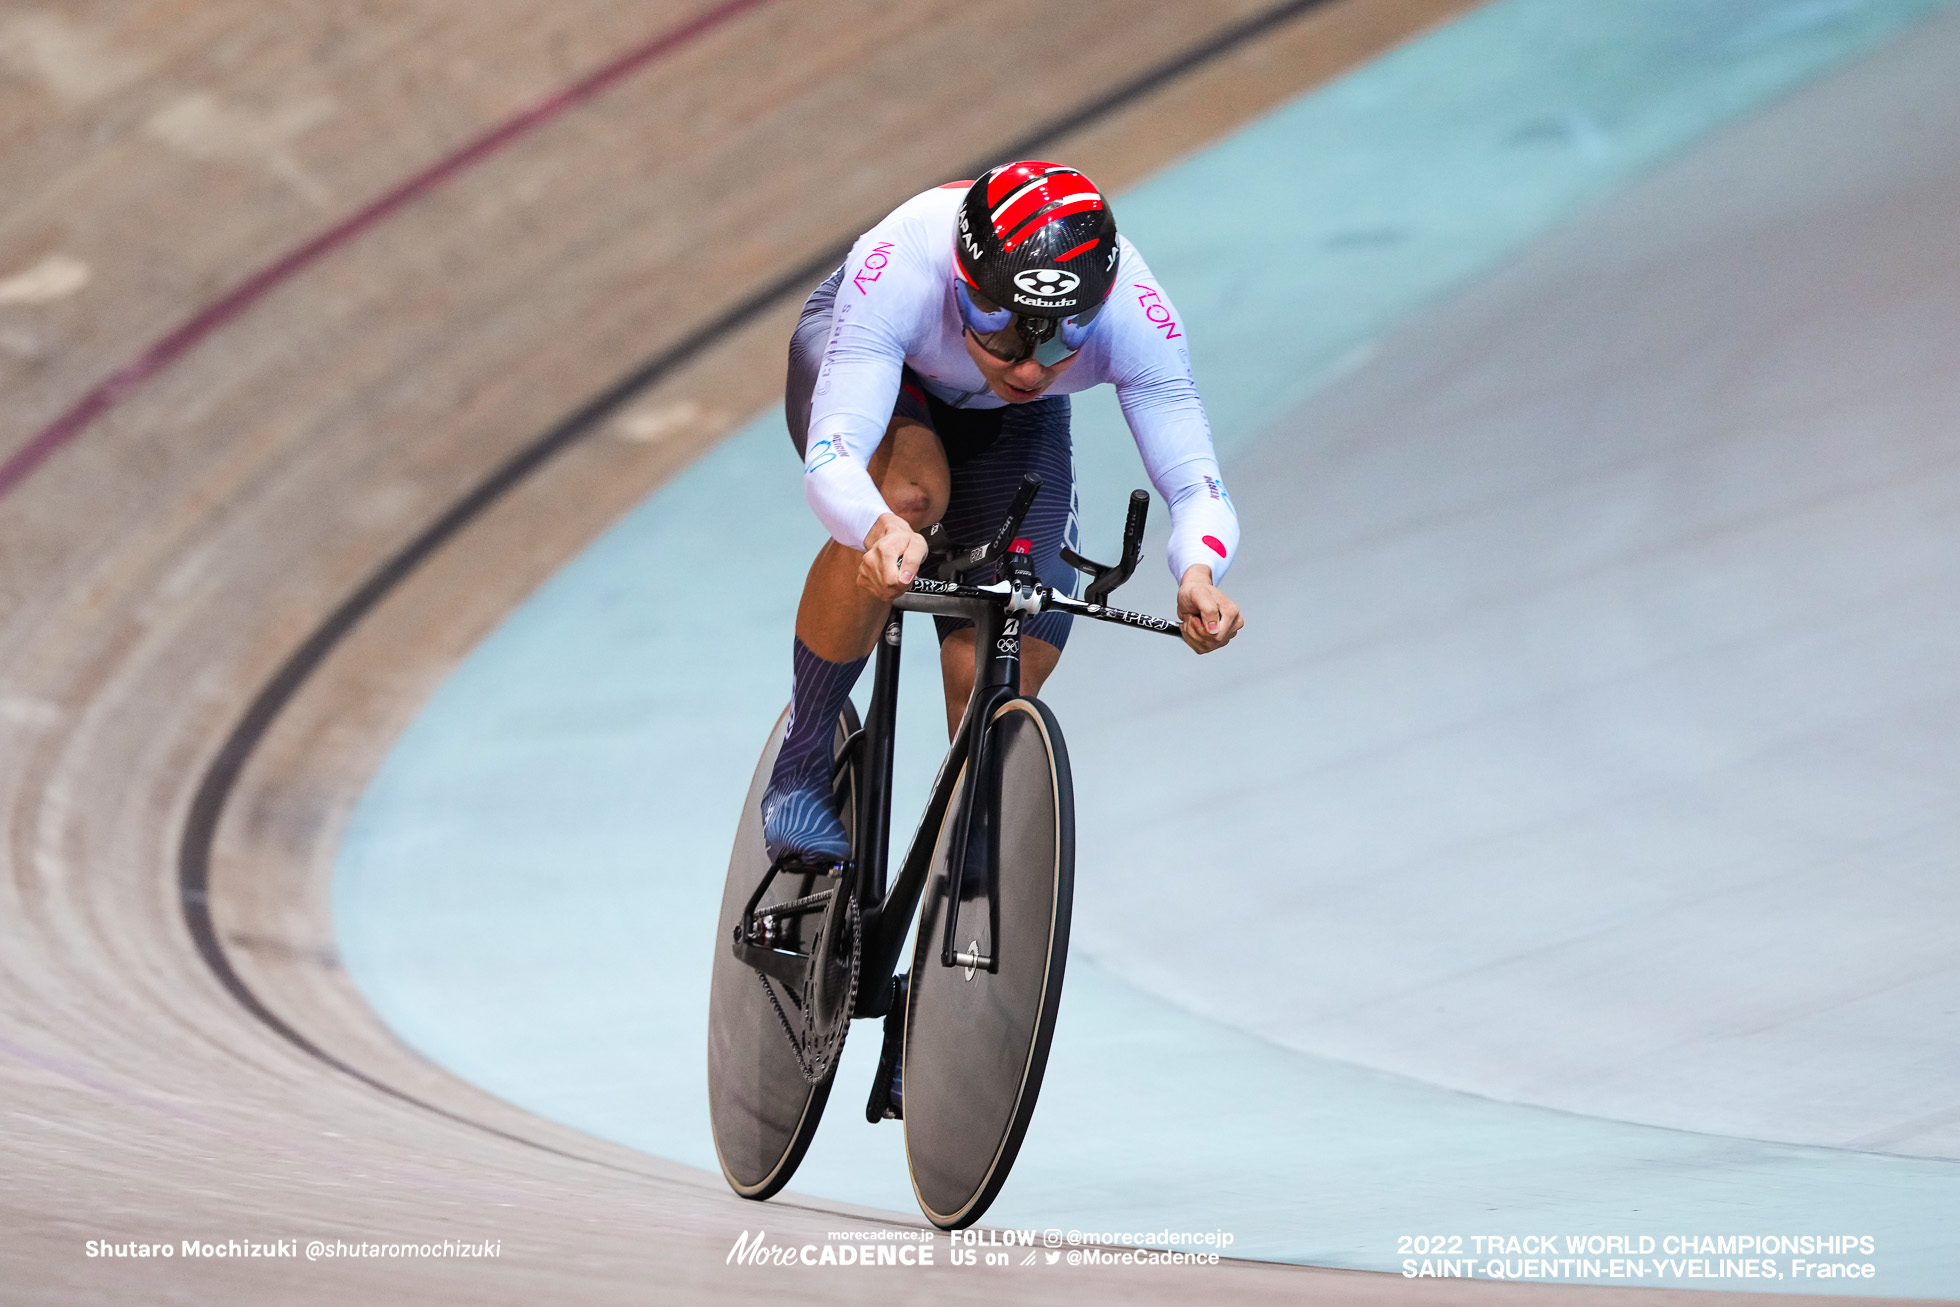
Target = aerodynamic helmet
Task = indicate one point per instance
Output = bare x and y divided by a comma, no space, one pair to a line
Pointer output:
1037,242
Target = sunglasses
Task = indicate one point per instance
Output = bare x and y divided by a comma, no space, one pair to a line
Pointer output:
1013,337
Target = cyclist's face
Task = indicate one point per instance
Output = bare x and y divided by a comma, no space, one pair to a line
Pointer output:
1017,383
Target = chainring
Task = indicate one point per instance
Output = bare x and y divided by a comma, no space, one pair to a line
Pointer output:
829,990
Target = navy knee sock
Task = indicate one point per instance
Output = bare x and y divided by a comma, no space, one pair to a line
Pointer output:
817,693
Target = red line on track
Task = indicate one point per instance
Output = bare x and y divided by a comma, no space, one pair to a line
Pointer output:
167,350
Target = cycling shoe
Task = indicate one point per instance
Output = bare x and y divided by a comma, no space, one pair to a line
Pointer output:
804,823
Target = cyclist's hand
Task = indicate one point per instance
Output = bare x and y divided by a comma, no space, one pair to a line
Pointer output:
1210,619
892,554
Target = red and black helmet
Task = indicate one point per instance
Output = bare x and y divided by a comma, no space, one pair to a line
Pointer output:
1037,239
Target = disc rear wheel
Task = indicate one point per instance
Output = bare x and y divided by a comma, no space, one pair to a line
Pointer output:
763,1105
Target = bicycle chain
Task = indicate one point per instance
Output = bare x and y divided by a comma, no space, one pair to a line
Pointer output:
827,1046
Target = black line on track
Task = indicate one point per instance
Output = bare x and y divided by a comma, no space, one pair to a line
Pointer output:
220,778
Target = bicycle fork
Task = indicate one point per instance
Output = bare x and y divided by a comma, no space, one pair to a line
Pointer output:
997,678
997,671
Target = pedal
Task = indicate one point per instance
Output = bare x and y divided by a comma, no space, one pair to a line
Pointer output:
887,1101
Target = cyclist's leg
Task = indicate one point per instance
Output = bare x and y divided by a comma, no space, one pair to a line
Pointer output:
837,624
1033,438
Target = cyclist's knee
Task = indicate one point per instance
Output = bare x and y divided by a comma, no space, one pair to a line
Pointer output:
914,503
911,473
928,491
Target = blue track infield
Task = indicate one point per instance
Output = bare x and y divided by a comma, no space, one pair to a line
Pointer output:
525,892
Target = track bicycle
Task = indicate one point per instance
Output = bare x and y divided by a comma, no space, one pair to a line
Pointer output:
805,949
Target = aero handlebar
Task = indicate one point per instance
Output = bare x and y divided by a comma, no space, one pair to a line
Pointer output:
939,590
955,600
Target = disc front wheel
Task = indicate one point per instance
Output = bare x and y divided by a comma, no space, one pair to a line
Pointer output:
977,1034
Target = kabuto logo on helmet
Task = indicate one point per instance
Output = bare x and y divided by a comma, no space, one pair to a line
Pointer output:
1046,282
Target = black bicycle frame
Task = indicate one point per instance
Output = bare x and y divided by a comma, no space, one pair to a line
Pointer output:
996,613
887,913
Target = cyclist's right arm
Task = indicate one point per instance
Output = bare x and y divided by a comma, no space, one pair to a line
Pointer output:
888,293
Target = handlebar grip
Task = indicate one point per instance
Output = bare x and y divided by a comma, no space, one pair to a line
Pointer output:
1017,510
952,565
1108,578
1133,527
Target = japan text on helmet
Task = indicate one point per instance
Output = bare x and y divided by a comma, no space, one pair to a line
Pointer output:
1037,241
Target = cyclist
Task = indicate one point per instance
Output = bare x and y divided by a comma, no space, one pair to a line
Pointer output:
926,376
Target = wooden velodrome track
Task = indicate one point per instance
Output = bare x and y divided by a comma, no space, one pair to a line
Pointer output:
231,574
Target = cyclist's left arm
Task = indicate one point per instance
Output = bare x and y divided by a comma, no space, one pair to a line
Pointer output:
1151,368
